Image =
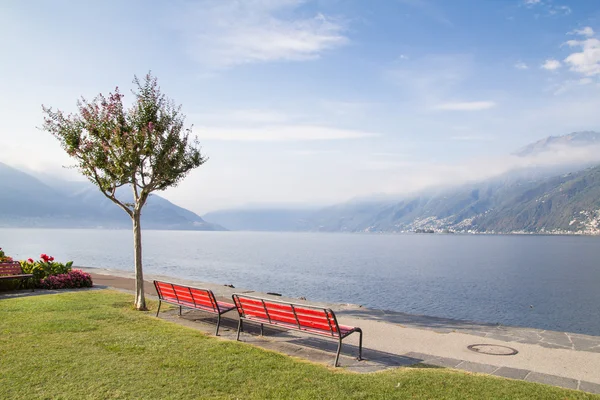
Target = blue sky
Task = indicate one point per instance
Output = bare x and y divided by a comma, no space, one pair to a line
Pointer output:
312,102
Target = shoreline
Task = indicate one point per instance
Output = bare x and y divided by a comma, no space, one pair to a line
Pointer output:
522,334
393,339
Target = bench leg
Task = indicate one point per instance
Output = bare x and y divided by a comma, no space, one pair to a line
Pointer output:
218,323
180,310
262,330
240,327
337,356
359,344
157,311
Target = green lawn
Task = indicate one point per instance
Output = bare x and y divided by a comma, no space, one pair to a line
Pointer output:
93,345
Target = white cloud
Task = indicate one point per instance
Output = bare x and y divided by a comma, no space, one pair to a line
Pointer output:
239,117
431,79
521,65
466,106
345,108
559,10
225,33
587,61
472,138
431,175
549,8
572,84
587,31
280,133
551,65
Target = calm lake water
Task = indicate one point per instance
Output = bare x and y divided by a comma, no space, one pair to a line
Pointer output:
483,278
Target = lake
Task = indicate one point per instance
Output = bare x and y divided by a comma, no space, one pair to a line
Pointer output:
548,282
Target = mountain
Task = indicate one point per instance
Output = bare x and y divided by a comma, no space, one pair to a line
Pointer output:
564,204
26,201
276,220
539,199
571,140
555,194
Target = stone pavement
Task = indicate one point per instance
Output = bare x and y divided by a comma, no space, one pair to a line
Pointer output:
393,339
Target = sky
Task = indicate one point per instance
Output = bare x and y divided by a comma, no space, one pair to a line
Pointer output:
311,102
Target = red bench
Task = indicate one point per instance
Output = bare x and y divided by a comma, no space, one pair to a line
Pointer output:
305,318
13,270
191,297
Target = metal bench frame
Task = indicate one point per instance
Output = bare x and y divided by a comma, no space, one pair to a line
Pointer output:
22,277
334,329
215,304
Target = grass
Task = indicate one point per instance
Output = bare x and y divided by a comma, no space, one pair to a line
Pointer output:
92,345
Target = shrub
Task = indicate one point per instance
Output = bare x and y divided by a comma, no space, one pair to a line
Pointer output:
72,279
4,257
44,267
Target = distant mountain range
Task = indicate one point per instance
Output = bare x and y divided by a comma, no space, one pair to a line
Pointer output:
262,219
553,199
26,201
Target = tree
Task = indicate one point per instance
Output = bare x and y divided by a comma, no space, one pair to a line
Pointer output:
145,147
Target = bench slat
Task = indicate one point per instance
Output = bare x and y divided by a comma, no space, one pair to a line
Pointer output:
190,297
315,320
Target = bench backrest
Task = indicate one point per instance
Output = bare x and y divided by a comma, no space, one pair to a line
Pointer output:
185,294
302,316
13,268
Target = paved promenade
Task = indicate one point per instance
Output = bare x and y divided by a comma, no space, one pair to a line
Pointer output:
393,339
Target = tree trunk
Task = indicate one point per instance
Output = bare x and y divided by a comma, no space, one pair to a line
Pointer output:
140,299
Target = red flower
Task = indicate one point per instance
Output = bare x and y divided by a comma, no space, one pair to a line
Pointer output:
50,258
30,260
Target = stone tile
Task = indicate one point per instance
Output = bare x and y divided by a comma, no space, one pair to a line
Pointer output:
589,387
559,339
513,373
552,380
444,362
585,343
502,337
475,333
420,357
476,367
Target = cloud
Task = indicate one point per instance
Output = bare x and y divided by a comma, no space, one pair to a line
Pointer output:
240,117
587,61
466,106
345,108
280,133
551,65
226,33
472,138
521,65
587,31
430,10
430,79
550,8
559,10
425,176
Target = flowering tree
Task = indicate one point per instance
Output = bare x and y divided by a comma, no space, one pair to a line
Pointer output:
145,147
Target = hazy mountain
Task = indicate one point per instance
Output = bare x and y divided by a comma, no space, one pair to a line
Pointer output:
261,219
545,196
564,204
531,200
575,139
26,201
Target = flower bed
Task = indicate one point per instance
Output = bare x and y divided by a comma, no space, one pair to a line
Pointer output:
3,257
72,279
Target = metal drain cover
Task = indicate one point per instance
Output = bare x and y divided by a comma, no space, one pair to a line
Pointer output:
493,349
